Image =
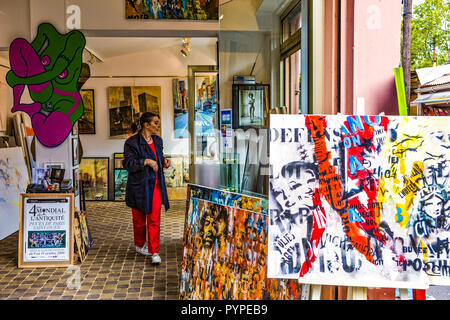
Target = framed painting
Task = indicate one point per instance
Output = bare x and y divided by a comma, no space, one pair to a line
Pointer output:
360,200
172,10
250,105
86,124
120,184
180,107
94,172
118,158
126,104
46,230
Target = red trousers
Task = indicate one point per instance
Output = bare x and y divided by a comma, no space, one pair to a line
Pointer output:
148,224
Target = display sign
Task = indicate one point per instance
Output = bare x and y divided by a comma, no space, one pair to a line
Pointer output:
46,230
226,128
360,200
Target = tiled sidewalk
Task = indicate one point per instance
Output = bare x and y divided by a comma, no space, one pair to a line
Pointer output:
112,270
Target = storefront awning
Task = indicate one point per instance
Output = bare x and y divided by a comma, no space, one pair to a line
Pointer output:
433,97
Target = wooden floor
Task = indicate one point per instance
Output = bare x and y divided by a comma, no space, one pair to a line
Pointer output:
112,270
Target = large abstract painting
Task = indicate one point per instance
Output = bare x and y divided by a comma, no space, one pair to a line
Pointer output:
360,200
126,104
172,9
13,181
225,249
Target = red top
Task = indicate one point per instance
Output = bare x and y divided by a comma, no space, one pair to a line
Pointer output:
152,146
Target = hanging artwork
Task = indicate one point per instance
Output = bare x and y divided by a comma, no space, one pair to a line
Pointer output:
126,104
180,107
172,9
225,249
86,123
360,200
250,105
94,176
13,181
50,67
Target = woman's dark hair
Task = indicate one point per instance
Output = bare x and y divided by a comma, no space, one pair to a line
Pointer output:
145,117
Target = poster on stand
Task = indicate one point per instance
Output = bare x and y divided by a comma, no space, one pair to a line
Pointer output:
360,200
46,230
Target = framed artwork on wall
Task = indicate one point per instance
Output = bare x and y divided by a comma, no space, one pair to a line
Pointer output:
120,184
180,107
175,10
94,174
86,124
126,104
118,157
250,105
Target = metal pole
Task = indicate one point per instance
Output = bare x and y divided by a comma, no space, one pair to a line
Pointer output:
406,57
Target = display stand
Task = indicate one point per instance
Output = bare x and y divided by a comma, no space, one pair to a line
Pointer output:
46,230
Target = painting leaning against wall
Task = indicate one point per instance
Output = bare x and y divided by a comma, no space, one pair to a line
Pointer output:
360,200
225,244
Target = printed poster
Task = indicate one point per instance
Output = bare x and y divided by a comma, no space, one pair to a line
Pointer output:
47,229
360,200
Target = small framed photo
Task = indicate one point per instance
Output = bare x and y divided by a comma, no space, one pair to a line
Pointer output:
250,105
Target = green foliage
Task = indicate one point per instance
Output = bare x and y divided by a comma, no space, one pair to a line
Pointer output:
430,41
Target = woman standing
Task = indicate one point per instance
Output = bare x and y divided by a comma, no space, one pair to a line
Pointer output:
146,188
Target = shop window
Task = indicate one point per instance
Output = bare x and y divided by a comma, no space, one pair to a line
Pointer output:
290,65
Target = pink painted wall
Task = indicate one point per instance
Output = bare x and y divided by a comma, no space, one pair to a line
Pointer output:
376,52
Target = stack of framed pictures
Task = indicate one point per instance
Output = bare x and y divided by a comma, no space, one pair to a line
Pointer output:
120,178
94,173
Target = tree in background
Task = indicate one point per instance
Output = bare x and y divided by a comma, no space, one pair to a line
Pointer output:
430,35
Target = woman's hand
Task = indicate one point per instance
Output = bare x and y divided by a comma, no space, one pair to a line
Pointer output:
166,163
152,164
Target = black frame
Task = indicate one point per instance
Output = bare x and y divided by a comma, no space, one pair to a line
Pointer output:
92,131
263,107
